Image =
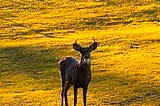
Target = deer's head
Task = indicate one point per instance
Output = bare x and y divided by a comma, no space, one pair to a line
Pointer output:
85,52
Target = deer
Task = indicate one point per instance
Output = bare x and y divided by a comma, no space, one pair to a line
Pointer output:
76,73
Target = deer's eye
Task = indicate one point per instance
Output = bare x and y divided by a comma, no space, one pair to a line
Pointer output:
82,51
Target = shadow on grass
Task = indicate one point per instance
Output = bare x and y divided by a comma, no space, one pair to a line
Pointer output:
146,15
29,69
133,2
151,93
31,61
99,22
115,89
15,31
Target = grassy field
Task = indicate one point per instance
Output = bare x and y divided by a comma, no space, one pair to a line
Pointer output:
35,34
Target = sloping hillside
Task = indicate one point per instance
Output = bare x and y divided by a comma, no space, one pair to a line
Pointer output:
35,34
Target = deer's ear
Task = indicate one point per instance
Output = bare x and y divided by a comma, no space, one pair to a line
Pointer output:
93,46
76,47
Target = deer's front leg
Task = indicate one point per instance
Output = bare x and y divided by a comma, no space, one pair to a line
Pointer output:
75,95
84,94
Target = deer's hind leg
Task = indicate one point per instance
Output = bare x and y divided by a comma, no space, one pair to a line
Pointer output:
64,92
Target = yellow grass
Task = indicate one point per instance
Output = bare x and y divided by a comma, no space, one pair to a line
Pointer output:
35,34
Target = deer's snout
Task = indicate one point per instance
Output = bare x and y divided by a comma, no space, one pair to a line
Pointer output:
86,57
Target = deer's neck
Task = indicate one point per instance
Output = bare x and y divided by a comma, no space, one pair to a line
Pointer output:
84,72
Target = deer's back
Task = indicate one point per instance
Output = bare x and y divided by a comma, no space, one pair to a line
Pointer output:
67,67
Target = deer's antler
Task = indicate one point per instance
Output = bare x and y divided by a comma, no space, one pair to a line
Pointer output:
94,39
76,41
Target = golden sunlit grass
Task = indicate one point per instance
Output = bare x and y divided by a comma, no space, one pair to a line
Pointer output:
35,34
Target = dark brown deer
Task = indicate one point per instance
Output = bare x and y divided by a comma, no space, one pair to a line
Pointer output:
76,73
